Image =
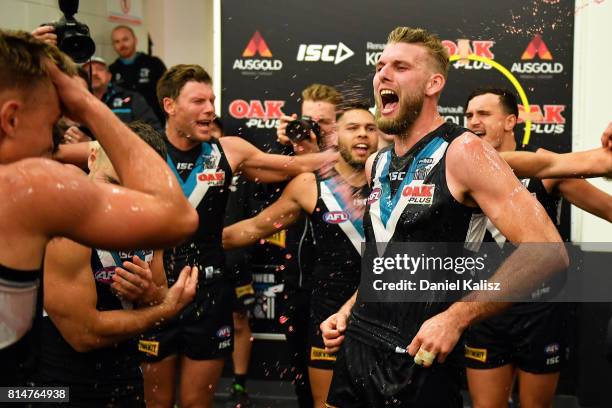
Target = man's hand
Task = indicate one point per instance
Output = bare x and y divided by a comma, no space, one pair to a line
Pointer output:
282,127
75,135
437,335
332,330
75,98
606,137
45,34
182,292
135,283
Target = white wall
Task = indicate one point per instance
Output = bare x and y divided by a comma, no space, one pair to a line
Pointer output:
592,101
28,14
182,31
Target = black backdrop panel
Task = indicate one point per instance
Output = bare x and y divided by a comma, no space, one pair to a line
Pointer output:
273,49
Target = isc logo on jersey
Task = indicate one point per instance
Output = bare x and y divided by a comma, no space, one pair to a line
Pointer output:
545,119
335,53
248,65
545,69
335,217
212,177
482,48
258,114
419,194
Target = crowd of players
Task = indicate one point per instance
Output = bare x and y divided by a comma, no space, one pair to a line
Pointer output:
136,327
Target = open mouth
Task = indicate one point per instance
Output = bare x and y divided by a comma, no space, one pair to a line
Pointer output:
203,123
389,101
361,148
479,133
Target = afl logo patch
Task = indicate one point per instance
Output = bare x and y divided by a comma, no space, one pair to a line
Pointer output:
374,196
224,332
105,275
335,217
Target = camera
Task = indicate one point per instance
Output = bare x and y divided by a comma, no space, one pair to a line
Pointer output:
72,36
299,129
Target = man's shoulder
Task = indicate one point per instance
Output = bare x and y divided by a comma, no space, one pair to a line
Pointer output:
142,58
33,180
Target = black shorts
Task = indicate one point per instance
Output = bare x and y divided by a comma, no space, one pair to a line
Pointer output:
536,342
365,376
317,357
204,330
244,299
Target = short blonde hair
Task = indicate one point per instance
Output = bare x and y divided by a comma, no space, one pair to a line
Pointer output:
432,42
322,93
22,58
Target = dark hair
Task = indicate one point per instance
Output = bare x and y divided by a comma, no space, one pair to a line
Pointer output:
506,98
174,79
352,105
151,136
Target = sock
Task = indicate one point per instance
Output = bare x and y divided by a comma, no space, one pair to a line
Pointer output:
240,382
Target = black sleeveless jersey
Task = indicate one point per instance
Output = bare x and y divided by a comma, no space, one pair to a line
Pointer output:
205,176
409,202
337,222
104,366
19,304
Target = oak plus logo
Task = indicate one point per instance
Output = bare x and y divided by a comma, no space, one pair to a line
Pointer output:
537,50
335,53
257,113
250,64
482,48
545,119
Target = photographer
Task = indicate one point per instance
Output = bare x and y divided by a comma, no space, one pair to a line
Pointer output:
318,105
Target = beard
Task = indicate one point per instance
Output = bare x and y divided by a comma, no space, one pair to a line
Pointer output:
348,157
410,109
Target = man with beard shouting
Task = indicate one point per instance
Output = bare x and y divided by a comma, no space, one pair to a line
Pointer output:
334,202
460,175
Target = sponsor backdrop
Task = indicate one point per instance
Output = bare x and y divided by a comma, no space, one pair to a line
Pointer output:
271,51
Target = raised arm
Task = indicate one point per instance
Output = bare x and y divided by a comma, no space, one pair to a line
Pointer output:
543,164
584,195
70,300
300,194
151,190
271,168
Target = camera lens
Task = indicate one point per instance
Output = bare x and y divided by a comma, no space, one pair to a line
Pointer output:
298,130
79,47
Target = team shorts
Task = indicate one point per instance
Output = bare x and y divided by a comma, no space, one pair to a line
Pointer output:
536,342
204,330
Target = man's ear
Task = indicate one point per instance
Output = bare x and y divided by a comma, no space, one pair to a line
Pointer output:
169,106
435,84
9,120
510,122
